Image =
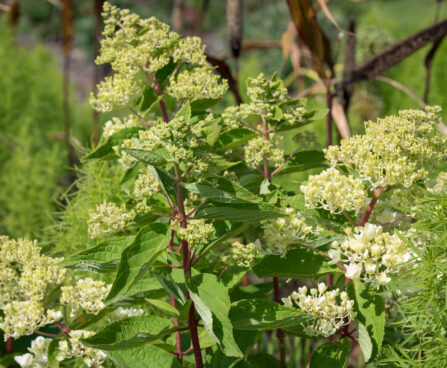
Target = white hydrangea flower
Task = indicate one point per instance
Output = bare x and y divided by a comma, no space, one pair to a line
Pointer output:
87,295
38,358
108,218
91,357
334,192
330,314
280,233
370,255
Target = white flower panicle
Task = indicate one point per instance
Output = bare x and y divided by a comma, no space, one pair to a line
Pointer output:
243,255
280,233
91,357
146,184
440,184
370,255
334,192
37,358
259,148
26,276
330,315
108,218
198,232
395,150
116,124
87,295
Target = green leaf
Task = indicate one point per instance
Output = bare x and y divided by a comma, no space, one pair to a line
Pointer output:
102,258
264,360
143,357
185,112
115,139
259,314
225,191
333,354
235,138
236,229
131,174
149,99
212,302
139,256
146,156
130,332
163,306
246,213
164,73
298,263
370,308
203,104
302,161
212,130
53,351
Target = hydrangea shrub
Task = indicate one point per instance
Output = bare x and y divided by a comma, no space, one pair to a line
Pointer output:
202,207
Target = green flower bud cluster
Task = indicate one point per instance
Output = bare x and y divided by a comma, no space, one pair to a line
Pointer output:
136,47
280,233
334,192
395,150
330,314
146,184
108,218
371,255
243,255
197,232
259,148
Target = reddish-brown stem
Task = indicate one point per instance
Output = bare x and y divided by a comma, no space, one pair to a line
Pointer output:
392,221
9,345
162,103
192,321
64,330
371,205
279,332
329,117
322,254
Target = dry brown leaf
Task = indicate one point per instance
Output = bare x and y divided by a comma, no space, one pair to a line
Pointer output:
339,116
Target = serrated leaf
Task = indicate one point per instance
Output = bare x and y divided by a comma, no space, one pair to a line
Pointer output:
101,258
235,138
225,191
239,214
160,304
147,157
52,352
139,256
141,356
259,314
212,303
130,332
298,263
333,354
203,104
370,308
115,139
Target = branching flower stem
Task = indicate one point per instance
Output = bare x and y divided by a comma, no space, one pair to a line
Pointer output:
371,205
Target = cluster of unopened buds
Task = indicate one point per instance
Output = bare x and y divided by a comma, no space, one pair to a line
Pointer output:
282,232
243,255
321,303
370,254
108,218
197,232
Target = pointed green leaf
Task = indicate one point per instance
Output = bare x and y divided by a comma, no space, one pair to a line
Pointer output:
298,263
333,354
247,213
143,357
185,112
130,332
212,302
102,258
370,308
163,306
115,139
139,256
235,138
53,351
147,157
259,314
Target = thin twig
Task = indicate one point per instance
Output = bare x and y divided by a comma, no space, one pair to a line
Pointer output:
274,172
143,120
349,218
401,87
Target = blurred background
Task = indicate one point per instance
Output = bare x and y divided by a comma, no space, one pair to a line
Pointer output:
47,70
